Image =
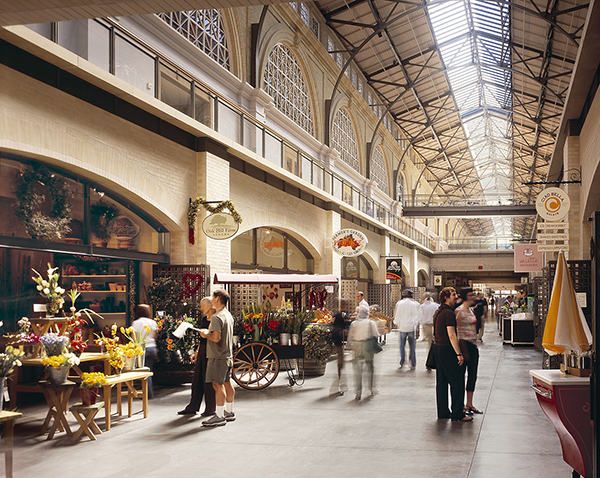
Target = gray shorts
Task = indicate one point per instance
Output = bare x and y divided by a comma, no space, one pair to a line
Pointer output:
218,370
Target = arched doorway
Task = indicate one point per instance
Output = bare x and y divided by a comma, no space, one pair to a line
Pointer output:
422,278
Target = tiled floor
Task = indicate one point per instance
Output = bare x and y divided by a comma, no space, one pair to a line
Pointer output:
306,432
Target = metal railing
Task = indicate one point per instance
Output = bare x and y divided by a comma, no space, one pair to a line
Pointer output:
480,244
195,99
427,200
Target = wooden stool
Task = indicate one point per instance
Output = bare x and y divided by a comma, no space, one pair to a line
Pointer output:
57,397
88,425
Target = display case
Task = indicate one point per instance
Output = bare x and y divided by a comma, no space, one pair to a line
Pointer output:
106,286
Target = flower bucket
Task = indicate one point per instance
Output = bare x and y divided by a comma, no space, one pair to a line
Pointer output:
140,360
52,308
284,339
88,395
130,363
295,339
58,377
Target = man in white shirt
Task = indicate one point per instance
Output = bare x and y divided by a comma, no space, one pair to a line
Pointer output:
407,317
428,308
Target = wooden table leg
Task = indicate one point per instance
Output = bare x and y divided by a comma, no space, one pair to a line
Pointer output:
106,392
60,403
8,454
86,425
119,390
130,395
145,396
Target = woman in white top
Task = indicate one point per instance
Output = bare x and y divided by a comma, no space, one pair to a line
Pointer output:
361,330
143,312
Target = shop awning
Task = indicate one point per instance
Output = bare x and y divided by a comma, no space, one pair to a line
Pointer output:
275,279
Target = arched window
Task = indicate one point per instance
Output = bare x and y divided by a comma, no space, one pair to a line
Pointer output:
343,139
401,189
204,28
284,81
379,171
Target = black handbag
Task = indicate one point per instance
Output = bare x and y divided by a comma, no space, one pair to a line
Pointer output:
430,362
375,345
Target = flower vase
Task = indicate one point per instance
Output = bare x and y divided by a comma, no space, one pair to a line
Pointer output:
52,308
58,376
140,360
284,339
295,339
88,395
129,363
256,337
269,340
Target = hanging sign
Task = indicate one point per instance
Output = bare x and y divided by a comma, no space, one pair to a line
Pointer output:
393,269
220,226
552,225
552,247
527,258
349,242
437,280
552,204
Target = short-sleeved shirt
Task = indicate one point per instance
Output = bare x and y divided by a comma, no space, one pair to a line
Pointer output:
445,318
138,326
466,324
222,322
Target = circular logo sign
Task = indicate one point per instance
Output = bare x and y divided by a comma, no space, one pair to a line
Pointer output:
220,226
349,242
553,204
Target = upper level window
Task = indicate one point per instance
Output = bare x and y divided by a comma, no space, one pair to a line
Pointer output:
204,28
284,81
343,139
331,47
304,13
379,170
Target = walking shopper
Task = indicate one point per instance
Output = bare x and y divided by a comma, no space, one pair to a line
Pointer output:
449,360
219,352
341,321
359,337
145,327
466,328
200,388
407,316
428,308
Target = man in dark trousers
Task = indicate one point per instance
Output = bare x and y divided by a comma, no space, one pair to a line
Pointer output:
199,386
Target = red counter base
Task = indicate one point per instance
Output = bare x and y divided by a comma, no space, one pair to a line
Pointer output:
567,406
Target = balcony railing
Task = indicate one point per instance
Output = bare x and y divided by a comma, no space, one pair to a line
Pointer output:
427,200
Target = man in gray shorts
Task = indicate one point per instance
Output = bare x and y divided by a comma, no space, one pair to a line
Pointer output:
219,352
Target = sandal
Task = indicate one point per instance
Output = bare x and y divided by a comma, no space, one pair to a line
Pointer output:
474,410
463,419
467,411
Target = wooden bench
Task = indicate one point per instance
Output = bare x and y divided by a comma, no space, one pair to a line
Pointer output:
126,378
86,425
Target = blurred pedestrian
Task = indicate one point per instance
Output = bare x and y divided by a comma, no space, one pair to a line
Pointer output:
341,322
359,339
201,389
480,310
428,308
141,325
407,316
449,360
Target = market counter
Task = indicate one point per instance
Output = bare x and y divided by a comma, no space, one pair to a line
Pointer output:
565,400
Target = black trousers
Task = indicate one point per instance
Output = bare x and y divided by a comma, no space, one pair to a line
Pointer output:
471,366
201,389
448,372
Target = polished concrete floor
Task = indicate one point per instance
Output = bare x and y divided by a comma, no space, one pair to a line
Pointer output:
305,431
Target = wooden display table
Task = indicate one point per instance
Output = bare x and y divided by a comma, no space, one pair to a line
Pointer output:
126,378
43,325
16,378
8,418
57,397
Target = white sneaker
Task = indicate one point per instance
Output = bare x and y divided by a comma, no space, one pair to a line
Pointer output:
214,421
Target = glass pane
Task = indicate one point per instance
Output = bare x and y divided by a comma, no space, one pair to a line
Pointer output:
98,52
175,90
306,168
203,107
134,66
252,135
44,29
229,122
273,149
317,176
296,259
241,249
347,194
73,36
350,267
337,188
291,160
270,249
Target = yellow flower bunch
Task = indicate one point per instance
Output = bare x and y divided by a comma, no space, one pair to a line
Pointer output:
131,349
116,361
93,380
55,361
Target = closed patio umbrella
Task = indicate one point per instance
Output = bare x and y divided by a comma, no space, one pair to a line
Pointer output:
566,327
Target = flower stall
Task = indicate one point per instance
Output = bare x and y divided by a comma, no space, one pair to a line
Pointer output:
263,332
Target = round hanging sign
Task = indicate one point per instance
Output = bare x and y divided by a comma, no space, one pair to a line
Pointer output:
553,204
349,242
220,226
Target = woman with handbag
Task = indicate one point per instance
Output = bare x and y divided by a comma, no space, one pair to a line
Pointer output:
466,326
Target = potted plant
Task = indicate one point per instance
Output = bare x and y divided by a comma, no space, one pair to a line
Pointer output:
318,344
90,383
59,365
8,360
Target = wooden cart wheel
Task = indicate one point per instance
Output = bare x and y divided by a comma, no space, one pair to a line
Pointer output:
255,366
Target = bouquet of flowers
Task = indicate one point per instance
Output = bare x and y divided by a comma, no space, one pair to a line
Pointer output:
54,344
170,346
24,326
8,360
131,349
62,360
49,289
93,380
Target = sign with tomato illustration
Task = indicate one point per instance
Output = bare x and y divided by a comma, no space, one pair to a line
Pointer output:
349,242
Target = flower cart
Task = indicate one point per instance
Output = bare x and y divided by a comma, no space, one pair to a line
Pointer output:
256,365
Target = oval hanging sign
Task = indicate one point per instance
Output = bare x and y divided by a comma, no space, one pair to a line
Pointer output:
220,226
349,242
552,204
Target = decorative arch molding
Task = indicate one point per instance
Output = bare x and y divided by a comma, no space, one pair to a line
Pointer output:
406,277
422,273
281,34
372,262
232,25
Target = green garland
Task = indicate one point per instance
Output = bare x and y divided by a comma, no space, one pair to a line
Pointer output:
318,342
200,201
41,226
101,214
